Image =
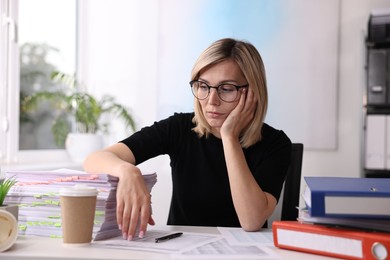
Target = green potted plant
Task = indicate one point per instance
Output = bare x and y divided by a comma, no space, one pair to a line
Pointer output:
79,115
5,186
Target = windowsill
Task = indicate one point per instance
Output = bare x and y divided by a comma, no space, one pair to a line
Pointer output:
41,160
42,166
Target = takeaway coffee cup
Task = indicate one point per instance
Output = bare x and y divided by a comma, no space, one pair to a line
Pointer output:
78,204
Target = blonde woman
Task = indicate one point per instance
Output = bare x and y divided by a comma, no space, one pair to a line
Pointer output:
228,166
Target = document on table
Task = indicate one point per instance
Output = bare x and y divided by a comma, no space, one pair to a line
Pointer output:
148,243
220,248
237,236
245,245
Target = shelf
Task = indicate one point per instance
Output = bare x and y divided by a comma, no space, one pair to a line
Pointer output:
377,45
376,102
377,173
378,109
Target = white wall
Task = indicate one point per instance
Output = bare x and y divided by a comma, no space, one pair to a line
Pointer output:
123,60
118,54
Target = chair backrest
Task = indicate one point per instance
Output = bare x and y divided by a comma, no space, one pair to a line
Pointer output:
292,184
289,198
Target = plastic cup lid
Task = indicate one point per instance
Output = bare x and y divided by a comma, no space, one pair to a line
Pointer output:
79,190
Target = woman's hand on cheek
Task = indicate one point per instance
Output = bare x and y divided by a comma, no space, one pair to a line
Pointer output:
241,116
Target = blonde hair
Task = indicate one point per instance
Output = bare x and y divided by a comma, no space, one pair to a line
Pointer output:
251,64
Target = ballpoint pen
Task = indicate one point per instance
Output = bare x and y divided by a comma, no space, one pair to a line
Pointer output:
168,237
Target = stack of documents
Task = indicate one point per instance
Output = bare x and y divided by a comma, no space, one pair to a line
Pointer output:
343,217
37,194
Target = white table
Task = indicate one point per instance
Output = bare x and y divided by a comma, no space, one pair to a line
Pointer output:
41,248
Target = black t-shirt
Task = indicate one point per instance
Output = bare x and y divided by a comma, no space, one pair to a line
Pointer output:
201,191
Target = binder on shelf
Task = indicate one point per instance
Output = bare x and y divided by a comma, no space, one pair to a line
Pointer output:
378,22
387,142
376,85
348,197
375,142
334,242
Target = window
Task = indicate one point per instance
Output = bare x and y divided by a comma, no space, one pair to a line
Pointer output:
37,37
47,43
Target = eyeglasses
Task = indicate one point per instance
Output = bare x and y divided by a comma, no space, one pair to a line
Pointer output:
226,92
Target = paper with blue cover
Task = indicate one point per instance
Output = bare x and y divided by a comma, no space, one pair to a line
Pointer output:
348,197
368,224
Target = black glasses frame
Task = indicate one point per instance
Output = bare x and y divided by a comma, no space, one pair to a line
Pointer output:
216,87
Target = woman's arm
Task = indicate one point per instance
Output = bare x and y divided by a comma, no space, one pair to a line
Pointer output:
252,204
133,197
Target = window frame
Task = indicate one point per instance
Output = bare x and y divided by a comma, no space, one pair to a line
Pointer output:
9,70
10,155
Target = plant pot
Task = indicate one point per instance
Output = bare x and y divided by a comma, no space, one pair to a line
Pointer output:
11,208
79,145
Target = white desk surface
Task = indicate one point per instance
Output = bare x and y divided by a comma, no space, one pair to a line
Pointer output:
41,248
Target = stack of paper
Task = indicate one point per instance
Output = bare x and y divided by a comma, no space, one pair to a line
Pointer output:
37,194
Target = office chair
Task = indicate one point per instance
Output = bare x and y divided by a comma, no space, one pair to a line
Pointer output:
292,184
289,198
